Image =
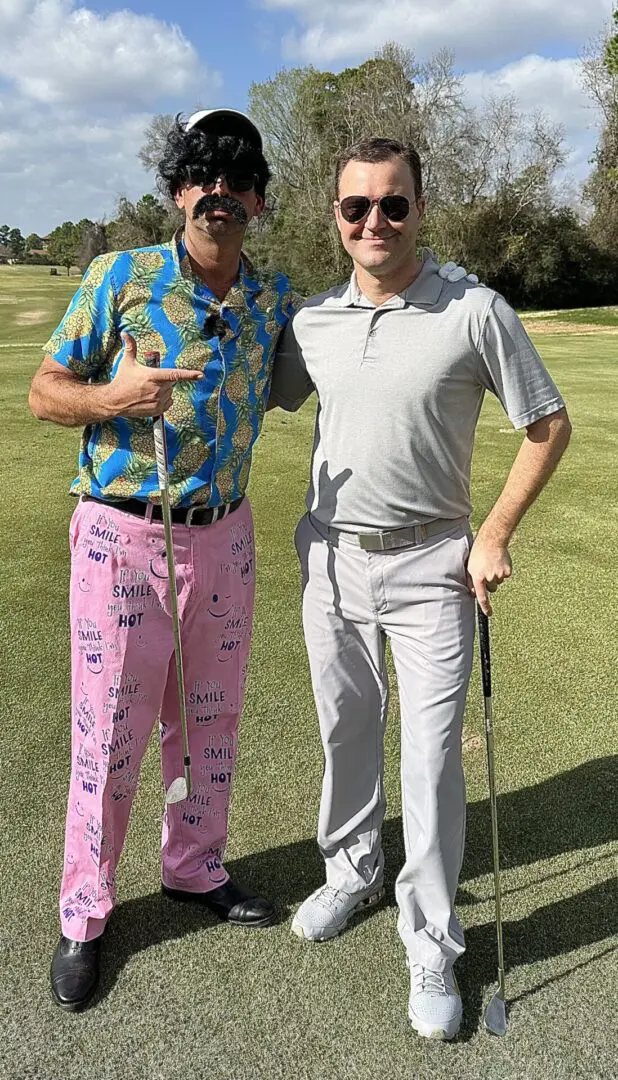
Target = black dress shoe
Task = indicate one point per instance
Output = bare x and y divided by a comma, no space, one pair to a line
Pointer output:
229,903
75,972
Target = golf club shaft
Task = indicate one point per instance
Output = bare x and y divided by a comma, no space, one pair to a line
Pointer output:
483,625
153,360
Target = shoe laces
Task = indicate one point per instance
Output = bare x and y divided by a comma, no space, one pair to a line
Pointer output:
331,898
430,982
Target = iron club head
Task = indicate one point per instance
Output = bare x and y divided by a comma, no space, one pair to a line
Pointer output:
495,1015
178,791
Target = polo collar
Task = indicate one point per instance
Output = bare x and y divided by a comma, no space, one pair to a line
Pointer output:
424,291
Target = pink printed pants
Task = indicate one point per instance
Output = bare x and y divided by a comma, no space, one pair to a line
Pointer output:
124,678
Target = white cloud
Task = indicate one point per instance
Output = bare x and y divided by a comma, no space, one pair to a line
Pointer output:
81,89
56,52
59,166
478,31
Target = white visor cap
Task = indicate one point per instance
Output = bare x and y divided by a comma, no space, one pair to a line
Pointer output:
226,122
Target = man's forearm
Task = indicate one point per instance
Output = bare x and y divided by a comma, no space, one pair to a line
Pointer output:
544,444
68,402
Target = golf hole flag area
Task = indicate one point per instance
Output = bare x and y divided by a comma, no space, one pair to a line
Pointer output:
183,997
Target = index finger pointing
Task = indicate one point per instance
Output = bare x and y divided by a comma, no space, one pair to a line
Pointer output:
176,375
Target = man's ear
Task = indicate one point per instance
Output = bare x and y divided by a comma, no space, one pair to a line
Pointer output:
260,204
337,213
421,204
179,198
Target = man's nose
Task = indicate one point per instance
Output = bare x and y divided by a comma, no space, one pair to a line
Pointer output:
221,186
375,219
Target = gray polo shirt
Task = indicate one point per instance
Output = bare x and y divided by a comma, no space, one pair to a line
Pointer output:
400,389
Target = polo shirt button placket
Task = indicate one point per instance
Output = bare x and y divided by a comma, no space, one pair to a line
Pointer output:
370,354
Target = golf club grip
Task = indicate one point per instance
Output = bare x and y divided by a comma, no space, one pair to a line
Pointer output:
483,624
153,360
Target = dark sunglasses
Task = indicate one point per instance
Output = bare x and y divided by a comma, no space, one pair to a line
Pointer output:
355,208
237,179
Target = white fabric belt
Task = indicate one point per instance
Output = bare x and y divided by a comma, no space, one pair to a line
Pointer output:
387,540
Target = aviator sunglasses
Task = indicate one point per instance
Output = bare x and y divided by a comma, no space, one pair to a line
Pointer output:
355,208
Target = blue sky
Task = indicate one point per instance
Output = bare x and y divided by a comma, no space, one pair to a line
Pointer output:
79,84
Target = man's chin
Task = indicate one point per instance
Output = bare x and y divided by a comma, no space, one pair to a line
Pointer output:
376,262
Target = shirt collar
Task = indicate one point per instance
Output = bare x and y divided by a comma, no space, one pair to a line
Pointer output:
425,290
248,280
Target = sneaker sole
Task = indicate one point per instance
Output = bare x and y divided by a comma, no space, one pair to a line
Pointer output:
327,935
431,1031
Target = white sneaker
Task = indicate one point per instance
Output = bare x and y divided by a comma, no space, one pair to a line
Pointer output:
434,1008
326,912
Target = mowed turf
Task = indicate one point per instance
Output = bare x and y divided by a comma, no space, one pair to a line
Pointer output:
182,997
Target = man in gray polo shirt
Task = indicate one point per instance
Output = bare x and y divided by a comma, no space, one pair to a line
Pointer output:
400,360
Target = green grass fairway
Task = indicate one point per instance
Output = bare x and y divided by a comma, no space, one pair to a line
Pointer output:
183,998
607,316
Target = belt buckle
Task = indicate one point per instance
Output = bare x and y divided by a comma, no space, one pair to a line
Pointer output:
372,541
190,513
220,512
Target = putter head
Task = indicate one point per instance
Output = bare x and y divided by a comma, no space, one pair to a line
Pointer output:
178,791
495,1016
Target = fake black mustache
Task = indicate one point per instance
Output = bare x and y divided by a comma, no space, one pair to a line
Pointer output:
208,203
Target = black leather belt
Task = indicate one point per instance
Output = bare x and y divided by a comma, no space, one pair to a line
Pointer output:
181,515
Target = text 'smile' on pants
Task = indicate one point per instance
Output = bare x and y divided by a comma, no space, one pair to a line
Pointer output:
124,677
353,601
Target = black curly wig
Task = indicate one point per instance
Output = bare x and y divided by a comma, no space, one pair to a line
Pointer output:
191,155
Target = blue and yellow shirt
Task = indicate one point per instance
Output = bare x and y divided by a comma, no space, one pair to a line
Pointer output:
213,423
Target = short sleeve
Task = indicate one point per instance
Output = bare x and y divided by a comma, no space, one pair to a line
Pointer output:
512,369
85,339
290,385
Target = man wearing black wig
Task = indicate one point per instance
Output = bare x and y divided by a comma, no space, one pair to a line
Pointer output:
215,321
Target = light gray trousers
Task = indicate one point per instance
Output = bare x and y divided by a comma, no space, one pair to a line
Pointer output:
417,597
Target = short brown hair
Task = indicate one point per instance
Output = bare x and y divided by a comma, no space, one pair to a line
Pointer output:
374,150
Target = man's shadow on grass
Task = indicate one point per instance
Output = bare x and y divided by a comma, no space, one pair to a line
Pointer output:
570,812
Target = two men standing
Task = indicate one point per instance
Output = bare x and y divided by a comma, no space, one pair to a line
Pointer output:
400,359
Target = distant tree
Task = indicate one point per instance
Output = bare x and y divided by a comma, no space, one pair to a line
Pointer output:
33,242
140,224
93,242
493,162
154,140
4,234
600,76
16,243
610,57
63,244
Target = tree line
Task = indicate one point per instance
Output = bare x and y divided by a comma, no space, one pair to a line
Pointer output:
138,224
490,176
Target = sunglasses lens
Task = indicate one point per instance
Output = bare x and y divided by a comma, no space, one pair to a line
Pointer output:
354,208
395,207
240,181
236,181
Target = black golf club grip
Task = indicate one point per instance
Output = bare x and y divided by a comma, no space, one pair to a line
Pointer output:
483,623
152,359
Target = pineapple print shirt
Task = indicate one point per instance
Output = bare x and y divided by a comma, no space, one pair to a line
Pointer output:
213,423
